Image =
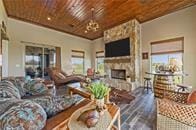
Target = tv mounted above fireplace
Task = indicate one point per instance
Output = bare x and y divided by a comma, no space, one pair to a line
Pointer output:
118,48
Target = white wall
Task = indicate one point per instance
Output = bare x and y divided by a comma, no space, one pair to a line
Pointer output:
3,17
178,24
22,31
5,44
98,45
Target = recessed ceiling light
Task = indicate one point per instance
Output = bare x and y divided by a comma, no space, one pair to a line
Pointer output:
48,18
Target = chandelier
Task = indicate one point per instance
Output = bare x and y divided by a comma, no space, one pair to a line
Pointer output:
92,24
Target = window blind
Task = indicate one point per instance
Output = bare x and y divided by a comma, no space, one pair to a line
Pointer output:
99,54
168,46
77,53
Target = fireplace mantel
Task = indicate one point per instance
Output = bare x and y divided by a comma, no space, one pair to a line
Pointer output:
120,57
126,59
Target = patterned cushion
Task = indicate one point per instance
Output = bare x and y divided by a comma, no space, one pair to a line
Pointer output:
8,90
54,105
21,115
18,82
35,87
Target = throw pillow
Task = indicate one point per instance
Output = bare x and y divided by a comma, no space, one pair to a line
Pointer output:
8,90
21,115
18,82
35,87
192,98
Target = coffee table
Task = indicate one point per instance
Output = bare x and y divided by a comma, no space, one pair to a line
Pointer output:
60,121
75,88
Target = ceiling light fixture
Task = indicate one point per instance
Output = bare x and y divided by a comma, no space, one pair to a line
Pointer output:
92,24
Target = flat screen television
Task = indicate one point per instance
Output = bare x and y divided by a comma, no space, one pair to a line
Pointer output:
118,48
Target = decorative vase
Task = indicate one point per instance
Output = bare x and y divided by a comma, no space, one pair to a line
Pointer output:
100,103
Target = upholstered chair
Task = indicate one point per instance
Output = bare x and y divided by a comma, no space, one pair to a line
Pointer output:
176,111
90,72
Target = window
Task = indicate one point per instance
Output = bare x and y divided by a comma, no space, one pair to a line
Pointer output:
78,61
167,53
38,59
100,62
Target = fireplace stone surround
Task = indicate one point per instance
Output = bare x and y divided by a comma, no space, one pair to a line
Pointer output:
131,64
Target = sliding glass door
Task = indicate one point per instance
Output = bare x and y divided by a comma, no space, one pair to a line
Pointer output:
49,59
38,60
33,63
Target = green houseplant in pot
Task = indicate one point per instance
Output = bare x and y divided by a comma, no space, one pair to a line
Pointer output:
99,91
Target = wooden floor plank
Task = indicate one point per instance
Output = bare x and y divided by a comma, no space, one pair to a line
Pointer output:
140,114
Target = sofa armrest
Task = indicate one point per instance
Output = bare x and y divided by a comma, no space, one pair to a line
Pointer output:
177,111
20,114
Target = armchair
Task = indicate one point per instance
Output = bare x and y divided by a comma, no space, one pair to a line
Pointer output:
174,112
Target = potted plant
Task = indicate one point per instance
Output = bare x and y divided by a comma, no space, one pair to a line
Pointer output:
99,91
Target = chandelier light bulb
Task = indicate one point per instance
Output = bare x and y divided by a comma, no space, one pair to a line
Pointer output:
92,24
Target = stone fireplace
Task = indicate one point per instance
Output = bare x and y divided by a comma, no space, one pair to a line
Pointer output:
118,69
118,74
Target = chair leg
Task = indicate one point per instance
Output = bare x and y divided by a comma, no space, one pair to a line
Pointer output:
144,84
147,86
151,86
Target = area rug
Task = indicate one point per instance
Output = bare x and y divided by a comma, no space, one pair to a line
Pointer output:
120,96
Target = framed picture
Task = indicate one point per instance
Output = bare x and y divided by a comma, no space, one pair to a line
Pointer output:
145,55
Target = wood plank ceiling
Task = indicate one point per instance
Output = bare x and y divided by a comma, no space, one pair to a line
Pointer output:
71,16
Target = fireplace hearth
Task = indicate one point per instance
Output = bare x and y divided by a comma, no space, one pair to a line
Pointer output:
118,74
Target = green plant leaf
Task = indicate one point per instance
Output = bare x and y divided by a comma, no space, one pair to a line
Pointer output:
99,90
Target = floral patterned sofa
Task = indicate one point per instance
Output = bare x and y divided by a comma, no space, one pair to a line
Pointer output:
26,105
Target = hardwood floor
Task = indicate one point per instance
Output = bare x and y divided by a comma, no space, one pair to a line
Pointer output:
140,114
